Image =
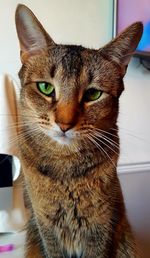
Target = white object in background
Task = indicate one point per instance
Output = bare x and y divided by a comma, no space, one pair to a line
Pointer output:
8,116
8,120
14,217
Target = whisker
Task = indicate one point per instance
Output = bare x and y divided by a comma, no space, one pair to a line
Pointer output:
17,126
112,142
26,134
98,138
94,142
16,115
132,134
106,132
107,139
102,149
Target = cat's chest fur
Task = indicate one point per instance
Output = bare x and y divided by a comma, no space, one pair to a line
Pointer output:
69,229
67,221
67,209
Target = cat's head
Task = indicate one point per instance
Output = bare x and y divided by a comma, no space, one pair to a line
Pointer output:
70,92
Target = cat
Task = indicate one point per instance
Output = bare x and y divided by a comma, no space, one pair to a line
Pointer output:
69,144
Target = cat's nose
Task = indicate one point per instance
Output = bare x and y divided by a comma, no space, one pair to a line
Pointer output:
64,127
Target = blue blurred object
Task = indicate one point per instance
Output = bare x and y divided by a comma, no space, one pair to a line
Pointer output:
144,44
127,12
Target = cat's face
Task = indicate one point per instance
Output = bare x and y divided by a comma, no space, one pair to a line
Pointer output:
70,93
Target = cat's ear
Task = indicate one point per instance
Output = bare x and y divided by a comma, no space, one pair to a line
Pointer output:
32,36
121,49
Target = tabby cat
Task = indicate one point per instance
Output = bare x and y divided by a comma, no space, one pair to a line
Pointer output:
69,143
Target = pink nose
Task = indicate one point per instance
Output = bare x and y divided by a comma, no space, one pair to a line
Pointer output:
65,127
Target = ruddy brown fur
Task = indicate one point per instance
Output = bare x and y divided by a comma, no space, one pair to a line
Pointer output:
72,188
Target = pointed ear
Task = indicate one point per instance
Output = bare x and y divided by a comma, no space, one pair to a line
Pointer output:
121,49
32,36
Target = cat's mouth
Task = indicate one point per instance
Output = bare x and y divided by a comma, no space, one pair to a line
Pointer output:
62,138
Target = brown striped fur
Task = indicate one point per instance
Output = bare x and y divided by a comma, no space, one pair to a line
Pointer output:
72,190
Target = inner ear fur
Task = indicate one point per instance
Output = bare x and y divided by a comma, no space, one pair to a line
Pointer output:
121,49
32,36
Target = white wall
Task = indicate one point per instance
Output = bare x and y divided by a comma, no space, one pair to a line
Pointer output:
134,119
87,22
67,21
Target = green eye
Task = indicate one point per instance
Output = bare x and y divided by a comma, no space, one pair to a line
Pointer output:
92,94
46,88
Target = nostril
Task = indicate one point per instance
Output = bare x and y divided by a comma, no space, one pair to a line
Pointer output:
64,127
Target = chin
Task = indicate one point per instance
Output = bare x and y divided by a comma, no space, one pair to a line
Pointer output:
62,140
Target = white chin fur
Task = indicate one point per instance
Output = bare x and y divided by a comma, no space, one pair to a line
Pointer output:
62,140
57,135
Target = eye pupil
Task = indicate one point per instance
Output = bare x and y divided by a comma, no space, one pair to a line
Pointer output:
92,94
46,88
